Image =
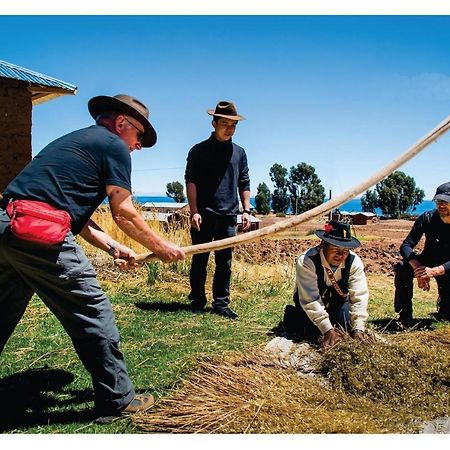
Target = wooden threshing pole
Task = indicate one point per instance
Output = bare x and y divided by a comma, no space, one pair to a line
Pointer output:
335,202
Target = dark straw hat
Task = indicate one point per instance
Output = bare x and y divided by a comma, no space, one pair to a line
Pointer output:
227,110
339,234
443,193
126,105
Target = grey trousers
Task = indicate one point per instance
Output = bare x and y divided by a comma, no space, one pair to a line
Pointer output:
64,279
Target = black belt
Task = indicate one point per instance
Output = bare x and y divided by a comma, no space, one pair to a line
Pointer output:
4,201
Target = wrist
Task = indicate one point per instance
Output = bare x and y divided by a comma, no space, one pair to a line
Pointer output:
112,247
246,211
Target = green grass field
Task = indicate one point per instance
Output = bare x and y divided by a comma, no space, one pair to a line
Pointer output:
48,391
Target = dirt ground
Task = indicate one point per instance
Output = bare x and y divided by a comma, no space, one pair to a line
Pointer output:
379,250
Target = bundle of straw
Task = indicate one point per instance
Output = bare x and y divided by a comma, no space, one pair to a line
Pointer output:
372,388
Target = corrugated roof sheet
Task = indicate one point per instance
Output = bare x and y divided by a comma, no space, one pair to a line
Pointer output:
42,87
8,70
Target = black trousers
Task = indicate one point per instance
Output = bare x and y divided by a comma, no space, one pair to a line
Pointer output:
213,228
404,279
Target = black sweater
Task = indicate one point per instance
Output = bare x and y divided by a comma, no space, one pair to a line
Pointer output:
219,170
436,251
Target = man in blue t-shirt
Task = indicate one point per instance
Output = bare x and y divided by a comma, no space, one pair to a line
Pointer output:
74,174
433,262
216,170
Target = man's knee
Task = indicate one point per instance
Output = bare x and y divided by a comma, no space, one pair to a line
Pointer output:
403,272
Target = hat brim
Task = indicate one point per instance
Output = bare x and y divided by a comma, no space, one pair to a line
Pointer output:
352,243
211,112
103,103
443,197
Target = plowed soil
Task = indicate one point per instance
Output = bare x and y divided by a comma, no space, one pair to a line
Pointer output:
379,251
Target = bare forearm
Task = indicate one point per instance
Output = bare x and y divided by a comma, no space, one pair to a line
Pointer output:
93,234
134,226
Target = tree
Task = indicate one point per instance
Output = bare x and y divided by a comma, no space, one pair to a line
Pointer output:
397,194
369,201
175,190
280,197
305,187
262,199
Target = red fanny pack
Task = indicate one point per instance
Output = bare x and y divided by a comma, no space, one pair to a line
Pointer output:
38,222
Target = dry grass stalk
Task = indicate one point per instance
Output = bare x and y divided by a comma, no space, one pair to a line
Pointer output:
375,388
173,232
441,337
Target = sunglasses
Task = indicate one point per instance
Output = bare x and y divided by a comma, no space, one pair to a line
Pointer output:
140,134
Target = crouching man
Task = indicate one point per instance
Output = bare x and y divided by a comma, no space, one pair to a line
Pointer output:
331,290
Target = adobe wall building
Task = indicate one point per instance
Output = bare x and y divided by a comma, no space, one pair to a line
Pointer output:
20,90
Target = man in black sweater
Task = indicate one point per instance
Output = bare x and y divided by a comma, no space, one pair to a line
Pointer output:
216,171
433,262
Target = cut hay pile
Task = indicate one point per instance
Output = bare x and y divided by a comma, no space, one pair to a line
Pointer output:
371,388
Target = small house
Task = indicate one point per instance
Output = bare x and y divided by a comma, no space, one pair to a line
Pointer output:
362,218
20,90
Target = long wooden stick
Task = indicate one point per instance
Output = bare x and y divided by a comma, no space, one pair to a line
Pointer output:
251,236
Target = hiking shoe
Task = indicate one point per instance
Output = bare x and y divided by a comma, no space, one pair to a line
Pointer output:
225,312
139,403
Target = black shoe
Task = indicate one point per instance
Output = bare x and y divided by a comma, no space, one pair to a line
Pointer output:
403,323
443,317
198,307
406,318
225,312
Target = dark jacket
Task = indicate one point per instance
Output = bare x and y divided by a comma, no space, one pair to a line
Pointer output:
437,241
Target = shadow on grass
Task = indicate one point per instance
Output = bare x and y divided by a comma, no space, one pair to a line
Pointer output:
280,331
164,306
392,326
37,397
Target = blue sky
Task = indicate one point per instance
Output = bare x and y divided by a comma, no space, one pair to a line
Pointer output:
345,94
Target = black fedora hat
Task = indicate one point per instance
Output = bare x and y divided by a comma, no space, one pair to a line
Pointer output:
127,105
225,109
339,234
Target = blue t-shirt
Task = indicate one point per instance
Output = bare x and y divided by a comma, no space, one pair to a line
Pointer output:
72,172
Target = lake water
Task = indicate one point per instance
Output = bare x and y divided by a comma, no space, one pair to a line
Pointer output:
351,206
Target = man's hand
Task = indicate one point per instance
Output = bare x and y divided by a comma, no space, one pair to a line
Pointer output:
428,272
423,283
196,221
359,335
246,223
124,257
170,253
330,338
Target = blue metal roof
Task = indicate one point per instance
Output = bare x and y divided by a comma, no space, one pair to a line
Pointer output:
8,70
42,87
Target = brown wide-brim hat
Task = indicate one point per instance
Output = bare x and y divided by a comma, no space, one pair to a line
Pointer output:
126,105
227,110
